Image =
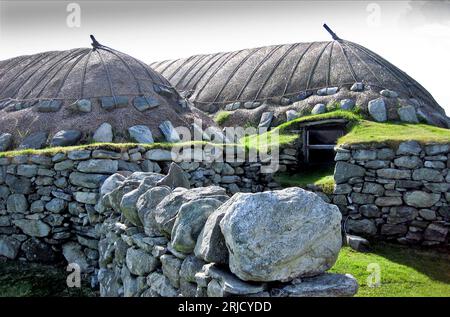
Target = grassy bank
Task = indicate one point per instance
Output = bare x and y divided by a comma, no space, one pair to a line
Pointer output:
404,271
320,176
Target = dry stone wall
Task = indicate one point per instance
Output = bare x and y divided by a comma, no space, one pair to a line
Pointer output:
397,193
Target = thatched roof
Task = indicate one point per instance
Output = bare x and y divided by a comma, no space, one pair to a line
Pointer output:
41,92
271,72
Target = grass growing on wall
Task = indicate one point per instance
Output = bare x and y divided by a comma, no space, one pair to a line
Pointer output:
320,176
404,271
373,132
222,117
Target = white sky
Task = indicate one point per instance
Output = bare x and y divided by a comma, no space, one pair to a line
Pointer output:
413,35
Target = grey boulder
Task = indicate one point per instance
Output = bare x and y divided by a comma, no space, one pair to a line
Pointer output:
66,138
280,235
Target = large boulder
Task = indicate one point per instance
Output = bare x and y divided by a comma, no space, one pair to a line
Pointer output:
190,221
280,235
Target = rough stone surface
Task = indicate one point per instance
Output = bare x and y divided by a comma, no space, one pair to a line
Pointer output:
140,134
66,138
34,228
377,109
255,226
139,262
104,133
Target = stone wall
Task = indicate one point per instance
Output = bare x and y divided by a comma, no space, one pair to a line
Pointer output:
162,239
49,203
397,193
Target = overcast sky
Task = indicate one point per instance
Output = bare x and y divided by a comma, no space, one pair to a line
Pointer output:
413,35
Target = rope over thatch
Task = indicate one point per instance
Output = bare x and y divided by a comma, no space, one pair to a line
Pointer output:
285,71
75,74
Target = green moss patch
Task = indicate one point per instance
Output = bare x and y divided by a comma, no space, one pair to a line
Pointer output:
319,176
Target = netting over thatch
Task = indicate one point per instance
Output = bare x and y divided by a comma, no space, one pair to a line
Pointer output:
45,93
285,71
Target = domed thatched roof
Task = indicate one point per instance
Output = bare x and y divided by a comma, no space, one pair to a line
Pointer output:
83,88
287,71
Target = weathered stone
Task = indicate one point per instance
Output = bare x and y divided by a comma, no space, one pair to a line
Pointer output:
9,247
421,199
325,285
435,164
63,165
140,134
256,225
427,174
161,285
86,198
266,120
111,103
56,205
232,106
364,227
139,262
385,154
104,133
408,162
291,115
370,211
109,283
230,284
357,243
392,173
100,166
84,105
166,211
190,221
175,178
435,149
146,205
327,91
409,148
17,203
373,188
408,114
389,93
79,155
74,255
388,201
143,103
364,155
427,214
160,155
436,232
34,141
171,266
170,133
190,267
388,229
343,171
66,138
38,251
358,86
5,141
48,105
34,228
91,181
210,244
347,104
401,214
377,109
318,109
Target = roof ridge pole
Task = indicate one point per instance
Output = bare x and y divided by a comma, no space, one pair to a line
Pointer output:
333,35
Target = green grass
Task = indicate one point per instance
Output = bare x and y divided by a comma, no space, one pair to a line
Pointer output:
22,279
405,271
321,176
281,136
392,133
222,117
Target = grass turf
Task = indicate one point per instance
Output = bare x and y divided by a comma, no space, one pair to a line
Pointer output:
320,176
404,271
